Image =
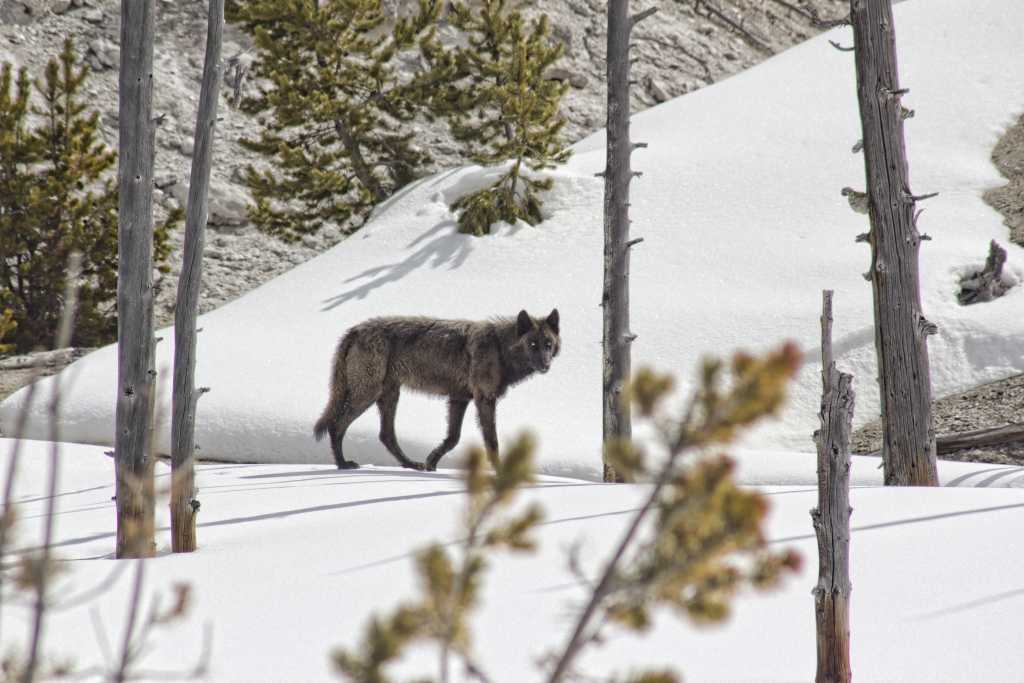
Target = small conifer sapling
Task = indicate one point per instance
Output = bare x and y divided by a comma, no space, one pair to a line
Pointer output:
502,107
57,195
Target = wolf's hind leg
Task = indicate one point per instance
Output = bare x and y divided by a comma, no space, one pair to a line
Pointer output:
486,414
456,411
353,408
387,404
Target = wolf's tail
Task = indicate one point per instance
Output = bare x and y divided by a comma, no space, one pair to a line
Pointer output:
339,388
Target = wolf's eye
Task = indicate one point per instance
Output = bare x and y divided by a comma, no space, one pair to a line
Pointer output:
547,344
533,345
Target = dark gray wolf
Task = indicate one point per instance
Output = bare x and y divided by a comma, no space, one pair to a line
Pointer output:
460,359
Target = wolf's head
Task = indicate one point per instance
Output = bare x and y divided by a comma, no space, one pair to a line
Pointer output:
538,337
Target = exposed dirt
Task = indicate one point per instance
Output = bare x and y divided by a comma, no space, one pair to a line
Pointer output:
992,405
1008,156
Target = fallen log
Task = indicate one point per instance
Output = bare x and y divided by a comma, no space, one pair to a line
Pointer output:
992,436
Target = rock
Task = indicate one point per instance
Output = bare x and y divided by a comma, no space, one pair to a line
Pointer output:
165,180
578,81
563,33
93,16
212,253
297,258
187,145
310,242
557,73
111,118
239,174
226,207
106,53
179,190
17,13
658,90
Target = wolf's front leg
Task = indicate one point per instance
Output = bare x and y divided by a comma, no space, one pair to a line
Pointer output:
388,405
485,412
456,411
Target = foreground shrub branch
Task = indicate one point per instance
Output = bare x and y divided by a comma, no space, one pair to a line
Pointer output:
696,540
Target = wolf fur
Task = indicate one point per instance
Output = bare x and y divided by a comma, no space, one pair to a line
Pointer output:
460,359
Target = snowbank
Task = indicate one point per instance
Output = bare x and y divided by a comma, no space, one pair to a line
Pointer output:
293,560
744,225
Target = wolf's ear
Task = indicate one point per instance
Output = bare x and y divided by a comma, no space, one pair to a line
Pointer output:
524,323
552,320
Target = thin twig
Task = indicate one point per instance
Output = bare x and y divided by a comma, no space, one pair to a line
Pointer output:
736,27
43,568
824,23
604,586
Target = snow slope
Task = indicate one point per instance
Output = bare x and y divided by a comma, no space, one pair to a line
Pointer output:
293,559
743,223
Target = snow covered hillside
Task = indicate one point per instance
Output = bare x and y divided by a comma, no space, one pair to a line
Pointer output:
744,225
293,560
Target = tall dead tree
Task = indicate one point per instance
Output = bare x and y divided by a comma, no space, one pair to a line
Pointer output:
901,330
184,505
135,294
617,177
832,516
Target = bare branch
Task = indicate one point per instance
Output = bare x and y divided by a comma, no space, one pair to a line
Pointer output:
736,27
824,23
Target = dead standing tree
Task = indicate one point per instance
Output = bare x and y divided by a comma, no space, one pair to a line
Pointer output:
184,505
617,176
832,516
135,288
901,330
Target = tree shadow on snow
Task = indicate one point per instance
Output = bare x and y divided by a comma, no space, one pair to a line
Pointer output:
910,520
439,246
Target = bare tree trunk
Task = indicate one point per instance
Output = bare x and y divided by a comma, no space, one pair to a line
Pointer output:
617,176
832,516
184,505
136,344
901,330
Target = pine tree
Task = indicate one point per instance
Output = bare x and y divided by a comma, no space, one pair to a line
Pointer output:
503,109
337,106
56,195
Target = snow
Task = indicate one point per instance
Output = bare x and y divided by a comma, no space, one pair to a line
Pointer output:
293,560
743,226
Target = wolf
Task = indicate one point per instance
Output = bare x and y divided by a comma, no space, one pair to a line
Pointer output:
460,359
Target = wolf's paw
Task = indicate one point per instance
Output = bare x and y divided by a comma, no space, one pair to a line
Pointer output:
419,467
348,465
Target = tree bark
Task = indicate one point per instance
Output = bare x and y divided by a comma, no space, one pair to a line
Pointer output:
184,505
136,344
832,516
901,330
617,177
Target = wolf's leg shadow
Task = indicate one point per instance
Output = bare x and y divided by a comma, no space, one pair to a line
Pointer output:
456,411
354,407
486,409
387,404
